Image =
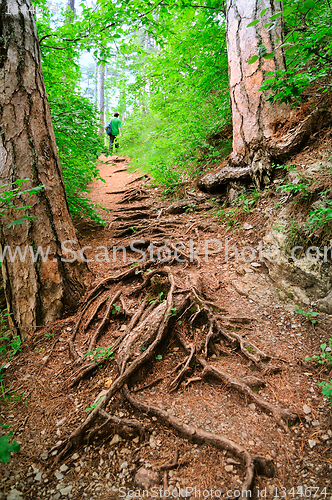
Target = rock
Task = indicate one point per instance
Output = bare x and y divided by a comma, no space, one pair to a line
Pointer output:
229,468
75,456
58,475
232,461
214,182
252,406
44,455
146,478
62,421
116,439
136,440
66,490
14,495
124,465
325,437
38,476
152,442
306,409
63,468
178,207
251,443
312,443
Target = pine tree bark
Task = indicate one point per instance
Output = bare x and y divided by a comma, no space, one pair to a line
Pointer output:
253,117
101,98
36,292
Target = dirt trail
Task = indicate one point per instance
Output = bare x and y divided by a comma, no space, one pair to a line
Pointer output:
227,371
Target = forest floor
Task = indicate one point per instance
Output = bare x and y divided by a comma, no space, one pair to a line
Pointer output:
252,365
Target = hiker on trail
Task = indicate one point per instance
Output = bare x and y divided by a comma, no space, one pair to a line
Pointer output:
113,129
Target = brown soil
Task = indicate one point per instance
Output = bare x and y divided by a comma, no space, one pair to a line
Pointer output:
47,410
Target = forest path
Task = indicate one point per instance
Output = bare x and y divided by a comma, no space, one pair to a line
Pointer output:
233,316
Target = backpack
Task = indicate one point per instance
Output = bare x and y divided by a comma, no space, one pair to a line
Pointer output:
109,128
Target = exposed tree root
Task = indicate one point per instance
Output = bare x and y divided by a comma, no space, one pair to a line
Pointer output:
148,325
200,436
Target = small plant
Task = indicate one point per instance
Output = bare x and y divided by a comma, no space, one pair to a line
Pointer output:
310,315
174,311
300,188
159,357
48,336
326,389
100,352
7,446
116,309
325,356
94,405
249,349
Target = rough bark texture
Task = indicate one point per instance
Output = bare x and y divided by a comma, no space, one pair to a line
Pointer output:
101,98
253,116
35,291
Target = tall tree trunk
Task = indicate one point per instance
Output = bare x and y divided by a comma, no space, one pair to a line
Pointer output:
96,82
36,292
101,98
70,10
253,117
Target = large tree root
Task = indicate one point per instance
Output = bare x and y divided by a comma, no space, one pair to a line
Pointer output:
253,464
148,325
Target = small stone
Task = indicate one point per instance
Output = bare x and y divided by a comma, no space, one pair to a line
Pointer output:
252,406
38,476
136,440
251,443
44,455
62,421
154,419
116,439
184,493
58,475
325,437
66,490
75,456
232,461
255,264
229,468
306,409
312,443
122,328
15,495
124,465
146,478
152,442
63,468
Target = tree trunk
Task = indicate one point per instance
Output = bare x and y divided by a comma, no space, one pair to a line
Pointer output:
101,98
70,10
254,118
36,292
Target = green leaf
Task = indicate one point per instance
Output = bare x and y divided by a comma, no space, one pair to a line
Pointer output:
253,59
299,311
309,4
253,23
159,356
292,50
6,447
268,55
275,16
264,12
20,221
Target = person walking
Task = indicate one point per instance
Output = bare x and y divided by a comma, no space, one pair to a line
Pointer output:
114,128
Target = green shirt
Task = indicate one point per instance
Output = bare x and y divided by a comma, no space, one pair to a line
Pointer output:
115,123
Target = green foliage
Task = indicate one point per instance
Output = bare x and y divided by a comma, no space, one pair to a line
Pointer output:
300,188
9,194
100,352
325,357
7,446
326,389
310,315
94,405
321,217
308,48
